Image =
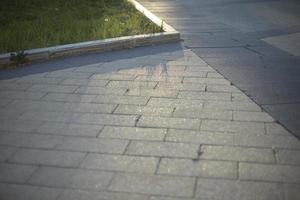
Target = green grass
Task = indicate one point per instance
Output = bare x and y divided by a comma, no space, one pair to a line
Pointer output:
27,24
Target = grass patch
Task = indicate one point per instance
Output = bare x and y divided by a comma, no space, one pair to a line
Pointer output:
28,24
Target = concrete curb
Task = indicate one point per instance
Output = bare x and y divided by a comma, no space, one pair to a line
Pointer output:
170,35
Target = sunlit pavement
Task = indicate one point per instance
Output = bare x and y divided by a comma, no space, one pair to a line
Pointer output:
147,123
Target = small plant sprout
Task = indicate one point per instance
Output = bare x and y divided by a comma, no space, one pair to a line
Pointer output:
162,26
18,58
274,149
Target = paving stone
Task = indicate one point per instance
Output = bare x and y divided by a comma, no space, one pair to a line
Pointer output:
89,107
227,105
68,74
29,140
237,154
133,100
61,106
144,110
201,168
71,178
70,129
214,75
132,84
254,128
84,82
206,81
276,173
165,122
292,191
25,105
9,80
186,62
222,88
237,190
196,112
153,92
153,184
15,173
50,116
14,86
69,97
199,137
181,86
102,145
46,157
21,95
288,142
26,192
162,149
173,79
66,69
218,96
124,63
53,88
173,68
168,198
6,152
201,74
136,164
93,68
120,77
19,125
145,70
286,42
4,102
39,80
10,113
168,102
199,68
276,129
100,90
95,195
133,133
240,97
287,114
252,116
106,119
288,157
87,118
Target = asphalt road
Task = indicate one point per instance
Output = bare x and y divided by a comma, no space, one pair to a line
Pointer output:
253,43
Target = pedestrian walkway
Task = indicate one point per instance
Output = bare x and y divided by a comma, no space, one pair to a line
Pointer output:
153,123
254,44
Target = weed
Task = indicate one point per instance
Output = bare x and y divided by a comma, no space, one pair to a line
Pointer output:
18,58
162,26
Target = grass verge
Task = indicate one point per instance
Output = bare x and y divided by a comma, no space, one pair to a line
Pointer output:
28,24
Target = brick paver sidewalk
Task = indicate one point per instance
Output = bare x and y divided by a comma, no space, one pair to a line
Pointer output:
162,126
